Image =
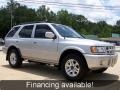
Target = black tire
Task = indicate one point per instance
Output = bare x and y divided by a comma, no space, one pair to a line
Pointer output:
18,60
101,70
82,71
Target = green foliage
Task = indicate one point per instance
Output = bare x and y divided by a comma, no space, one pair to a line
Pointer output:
22,14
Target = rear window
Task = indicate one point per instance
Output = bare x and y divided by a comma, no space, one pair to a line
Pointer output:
13,31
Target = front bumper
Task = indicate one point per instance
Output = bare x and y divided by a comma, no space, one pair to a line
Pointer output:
100,61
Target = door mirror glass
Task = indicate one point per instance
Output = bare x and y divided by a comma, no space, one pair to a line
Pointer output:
50,35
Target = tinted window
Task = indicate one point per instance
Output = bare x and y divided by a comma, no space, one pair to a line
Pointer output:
26,31
13,31
66,31
41,30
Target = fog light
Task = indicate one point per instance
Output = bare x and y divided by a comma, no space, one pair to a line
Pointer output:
104,62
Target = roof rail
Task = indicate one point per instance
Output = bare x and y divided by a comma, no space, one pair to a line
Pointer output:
33,22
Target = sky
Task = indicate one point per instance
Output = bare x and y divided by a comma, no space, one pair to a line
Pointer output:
94,15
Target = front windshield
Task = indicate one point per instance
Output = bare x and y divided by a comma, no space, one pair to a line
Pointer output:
66,31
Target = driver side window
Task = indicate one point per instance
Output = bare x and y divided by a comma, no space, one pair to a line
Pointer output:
41,30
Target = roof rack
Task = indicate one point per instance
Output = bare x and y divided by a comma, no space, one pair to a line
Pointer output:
33,22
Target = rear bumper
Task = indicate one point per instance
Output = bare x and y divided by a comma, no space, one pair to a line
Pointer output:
4,49
99,61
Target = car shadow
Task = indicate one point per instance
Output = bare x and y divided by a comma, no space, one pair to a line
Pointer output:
52,73
101,76
47,71
102,79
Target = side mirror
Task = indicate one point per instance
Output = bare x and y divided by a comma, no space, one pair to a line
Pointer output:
50,35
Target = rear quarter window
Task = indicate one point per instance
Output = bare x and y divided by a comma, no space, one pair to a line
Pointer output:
13,31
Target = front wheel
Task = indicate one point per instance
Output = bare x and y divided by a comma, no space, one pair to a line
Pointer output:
14,58
101,70
73,67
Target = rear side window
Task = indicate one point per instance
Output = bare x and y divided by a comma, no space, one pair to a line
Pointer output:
13,31
26,31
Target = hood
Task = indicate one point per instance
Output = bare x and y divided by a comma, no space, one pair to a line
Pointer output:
88,42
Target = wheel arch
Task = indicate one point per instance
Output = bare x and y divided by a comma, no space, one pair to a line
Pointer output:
13,47
68,51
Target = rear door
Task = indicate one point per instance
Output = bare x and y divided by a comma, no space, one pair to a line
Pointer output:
24,41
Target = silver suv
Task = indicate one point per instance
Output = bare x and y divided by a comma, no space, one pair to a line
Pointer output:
59,45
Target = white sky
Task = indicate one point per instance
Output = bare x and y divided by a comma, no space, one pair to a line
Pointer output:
111,16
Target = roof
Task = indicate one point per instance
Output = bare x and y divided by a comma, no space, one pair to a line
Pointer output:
33,22
30,23
38,22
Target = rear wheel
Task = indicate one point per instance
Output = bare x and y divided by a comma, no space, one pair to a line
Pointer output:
73,67
101,70
14,58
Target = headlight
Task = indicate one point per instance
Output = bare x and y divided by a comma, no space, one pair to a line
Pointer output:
98,49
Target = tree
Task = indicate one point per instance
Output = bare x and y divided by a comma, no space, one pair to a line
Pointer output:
44,14
63,17
105,29
20,13
4,22
24,14
118,23
116,28
11,6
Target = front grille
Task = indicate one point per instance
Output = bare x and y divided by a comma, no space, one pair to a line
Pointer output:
110,50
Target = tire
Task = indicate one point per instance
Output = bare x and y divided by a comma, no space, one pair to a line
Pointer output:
14,58
101,70
67,69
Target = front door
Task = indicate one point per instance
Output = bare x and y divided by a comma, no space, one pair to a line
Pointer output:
44,48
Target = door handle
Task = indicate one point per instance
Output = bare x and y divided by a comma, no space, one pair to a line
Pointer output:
17,41
34,42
